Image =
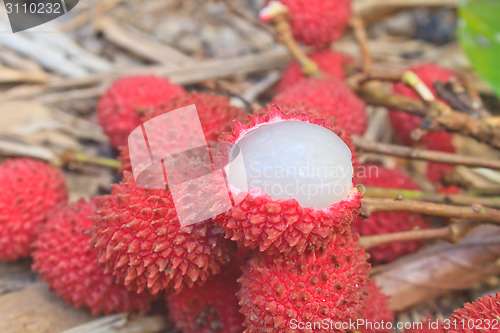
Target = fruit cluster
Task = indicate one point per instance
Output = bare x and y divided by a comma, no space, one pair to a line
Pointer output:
270,260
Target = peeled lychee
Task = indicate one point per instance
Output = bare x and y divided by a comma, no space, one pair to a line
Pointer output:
120,108
318,22
329,62
65,259
336,102
30,191
279,293
212,307
388,222
299,178
140,241
215,113
481,316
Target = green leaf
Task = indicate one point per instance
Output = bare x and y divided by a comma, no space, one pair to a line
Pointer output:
479,35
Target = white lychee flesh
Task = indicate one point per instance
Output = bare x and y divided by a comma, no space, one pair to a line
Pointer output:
294,160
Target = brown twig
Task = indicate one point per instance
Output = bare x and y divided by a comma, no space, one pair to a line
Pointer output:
438,116
452,233
452,199
277,15
475,211
358,26
69,157
425,155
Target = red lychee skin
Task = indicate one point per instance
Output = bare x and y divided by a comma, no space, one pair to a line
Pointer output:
212,307
65,259
474,317
329,62
327,284
119,109
388,222
404,123
215,112
30,191
139,240
318,22
376,310
283,225
336,102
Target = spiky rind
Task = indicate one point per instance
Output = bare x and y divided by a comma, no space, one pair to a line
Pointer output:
30,191
212,307
376,311
140,241
388,222
474,317
283,225
327,284
215,113
65,259
318,22
336,102
119,109
329,62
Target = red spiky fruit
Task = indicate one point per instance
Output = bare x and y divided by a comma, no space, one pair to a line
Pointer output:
215,113
388,222
212,307
30,191
65,259
376,312
336,102
475,317
278,293
318,22
140,241
270,221
329,62
120,108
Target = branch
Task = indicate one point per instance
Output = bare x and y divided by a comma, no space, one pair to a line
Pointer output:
425,155
453,199
474,212
452,233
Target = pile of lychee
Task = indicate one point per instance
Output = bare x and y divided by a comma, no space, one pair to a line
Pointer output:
282,259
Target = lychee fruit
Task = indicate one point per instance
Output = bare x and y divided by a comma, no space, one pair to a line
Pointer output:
298,177
481,316
329,62
65,259
140,241
388,222
120,108
376,312
215,113
212,307
317,22
336,102
285,293
31,189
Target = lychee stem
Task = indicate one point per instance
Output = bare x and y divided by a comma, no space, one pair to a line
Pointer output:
279,18
358,26
454,199
74,157
452,233
412,80
475,211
